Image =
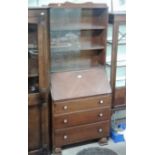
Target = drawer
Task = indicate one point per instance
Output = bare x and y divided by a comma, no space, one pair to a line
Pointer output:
81,133
82,104
81,117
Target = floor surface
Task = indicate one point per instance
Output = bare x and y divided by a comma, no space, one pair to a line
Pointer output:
120,148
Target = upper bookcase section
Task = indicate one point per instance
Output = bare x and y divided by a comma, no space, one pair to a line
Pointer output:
77,35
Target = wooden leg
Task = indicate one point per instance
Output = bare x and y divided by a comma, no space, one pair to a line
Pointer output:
103,141
57,151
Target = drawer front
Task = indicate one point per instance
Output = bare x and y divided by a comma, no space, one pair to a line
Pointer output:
82,104
81,133
80,118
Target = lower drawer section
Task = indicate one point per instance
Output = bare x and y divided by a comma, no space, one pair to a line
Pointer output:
81,133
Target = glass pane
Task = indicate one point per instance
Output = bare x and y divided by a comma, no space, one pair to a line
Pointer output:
108,53
109,50
76,38
33,84
108,71
32,59
121,57
120,78
109,33
109,44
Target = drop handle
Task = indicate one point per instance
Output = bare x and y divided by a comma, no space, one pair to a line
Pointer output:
65,121
100,130
65,136
100,114
101,101
65,107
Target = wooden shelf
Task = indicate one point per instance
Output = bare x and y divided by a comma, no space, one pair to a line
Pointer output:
35,92
32,75
123,42
32,46
79,47
76,27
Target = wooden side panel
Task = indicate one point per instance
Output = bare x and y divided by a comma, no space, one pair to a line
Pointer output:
120,97
38,123
43,50
34,127
45,125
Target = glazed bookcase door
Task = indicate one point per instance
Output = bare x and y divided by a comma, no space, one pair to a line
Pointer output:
37,51
116,58
37,83
33,62
77,38
120,84
121,57
109,51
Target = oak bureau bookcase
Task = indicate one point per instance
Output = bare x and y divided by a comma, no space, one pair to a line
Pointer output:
80,91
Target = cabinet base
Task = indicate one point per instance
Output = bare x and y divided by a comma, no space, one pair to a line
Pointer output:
57,151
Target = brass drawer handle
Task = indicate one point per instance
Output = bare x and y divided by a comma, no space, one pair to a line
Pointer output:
65,107
100,130
100,114
101,101
65,121
65,136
